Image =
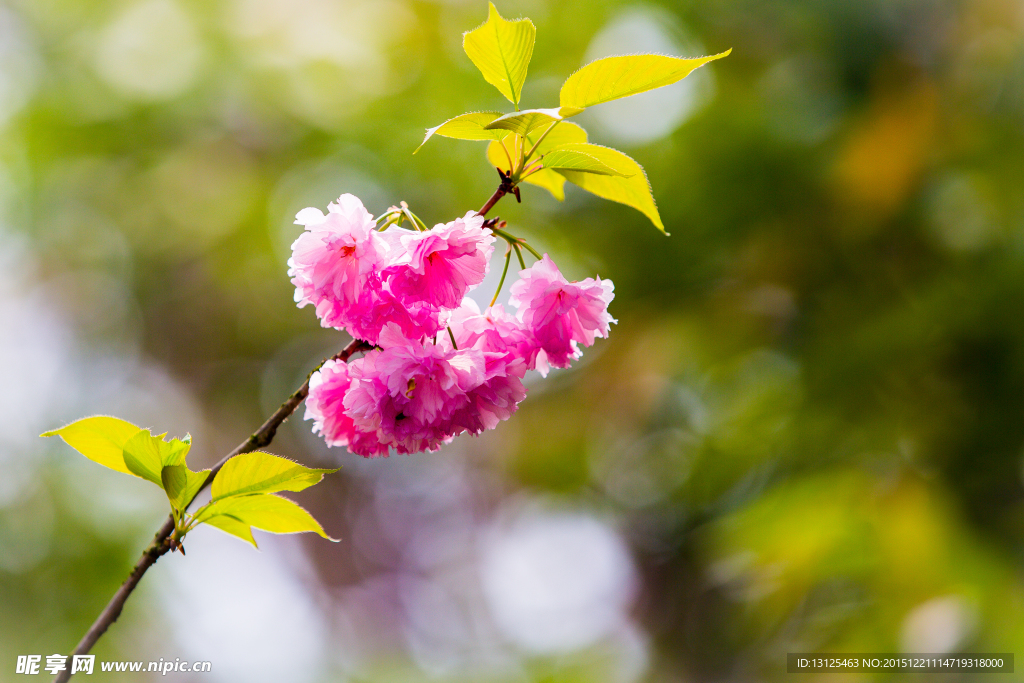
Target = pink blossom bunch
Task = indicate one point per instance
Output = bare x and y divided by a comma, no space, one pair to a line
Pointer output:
439,366
359,279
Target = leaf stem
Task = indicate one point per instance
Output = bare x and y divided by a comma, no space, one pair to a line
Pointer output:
530,171
540,140
451,335
507,155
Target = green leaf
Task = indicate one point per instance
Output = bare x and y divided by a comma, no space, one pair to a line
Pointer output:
142,456
550,181
522,122
561,134
471,126
501,49
146,455
633,190
174,479
233,526
564,159
259,472
614,77
100,438
175,451
497,157
182,484
264,511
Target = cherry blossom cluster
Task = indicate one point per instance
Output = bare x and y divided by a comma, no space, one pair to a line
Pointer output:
439,366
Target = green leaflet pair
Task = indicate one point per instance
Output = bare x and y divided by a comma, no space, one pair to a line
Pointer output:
530,146
242,492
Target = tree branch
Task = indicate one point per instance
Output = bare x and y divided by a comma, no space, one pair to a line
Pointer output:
503,189
160,545
258,439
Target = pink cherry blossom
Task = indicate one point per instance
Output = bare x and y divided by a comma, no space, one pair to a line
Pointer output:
376,307
442,264
493,330
440,366
333,258
495,398
409,394
561,315
505,345
324,405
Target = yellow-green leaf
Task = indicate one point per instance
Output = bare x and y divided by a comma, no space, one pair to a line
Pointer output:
174,479
175,451
614,77
522,122
259,472
146,455
563,159
100,438
196,480
498,158
632,191
264,511
182,484
142,456
550,181
564,133
233,526
501,49
469,126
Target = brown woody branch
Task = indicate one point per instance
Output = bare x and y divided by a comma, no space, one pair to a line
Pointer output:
262,437
504,188
161,542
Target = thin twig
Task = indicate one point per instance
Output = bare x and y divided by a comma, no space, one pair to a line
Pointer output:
161,545
498,194
503,189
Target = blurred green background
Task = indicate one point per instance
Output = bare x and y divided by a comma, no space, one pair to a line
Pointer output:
805,433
